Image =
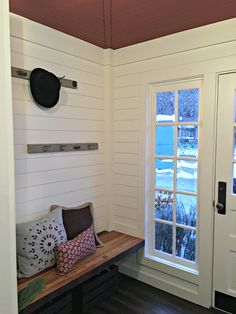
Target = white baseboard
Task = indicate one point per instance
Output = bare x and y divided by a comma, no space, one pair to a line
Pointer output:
165,282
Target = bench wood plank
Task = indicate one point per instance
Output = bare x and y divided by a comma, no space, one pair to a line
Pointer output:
116,246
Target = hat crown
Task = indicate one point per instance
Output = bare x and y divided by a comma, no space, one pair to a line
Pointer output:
45,87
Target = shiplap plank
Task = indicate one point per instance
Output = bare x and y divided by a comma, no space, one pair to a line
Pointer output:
127,91
128,114
53,176
79,76
125,201
122,190
127,80
126,169
126,137
22,137
50,189
28,108
125,153
100,223
71,177
132,125
98,204
100,212
90,90
125,212
126,180
55,124
29,49
50,163
40,205
129,222
130,148
126,103
59,70
129,159
21,153
21,91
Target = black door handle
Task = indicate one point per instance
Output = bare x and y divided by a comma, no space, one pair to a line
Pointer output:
221,205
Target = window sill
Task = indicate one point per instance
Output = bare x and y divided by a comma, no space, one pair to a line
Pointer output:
179,271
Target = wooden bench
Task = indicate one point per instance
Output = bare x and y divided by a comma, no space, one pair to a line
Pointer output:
116,246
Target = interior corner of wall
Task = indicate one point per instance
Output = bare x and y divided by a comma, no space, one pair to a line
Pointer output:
108,57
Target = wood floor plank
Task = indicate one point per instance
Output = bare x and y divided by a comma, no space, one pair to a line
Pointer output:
135,297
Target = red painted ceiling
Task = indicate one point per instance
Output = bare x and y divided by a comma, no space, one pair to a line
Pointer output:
119,23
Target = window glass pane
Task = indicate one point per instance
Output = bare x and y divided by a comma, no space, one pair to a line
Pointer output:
163,237
187,175
188,105
186,206
234,106
186,243
187,145
163,205
165,140
234,143
164,173
234,178
165,111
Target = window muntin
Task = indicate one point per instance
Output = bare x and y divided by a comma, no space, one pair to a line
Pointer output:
176,173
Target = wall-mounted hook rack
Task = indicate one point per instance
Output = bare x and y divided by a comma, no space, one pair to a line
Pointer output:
25,74
55,148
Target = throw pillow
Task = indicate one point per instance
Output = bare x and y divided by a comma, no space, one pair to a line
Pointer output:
36,241
77,219
68,253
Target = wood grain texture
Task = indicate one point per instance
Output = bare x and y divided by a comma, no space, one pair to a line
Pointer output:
116,24
116,246
135,297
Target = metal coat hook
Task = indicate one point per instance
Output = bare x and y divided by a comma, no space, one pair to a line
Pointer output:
64,147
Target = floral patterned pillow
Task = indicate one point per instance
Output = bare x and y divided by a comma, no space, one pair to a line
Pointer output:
68,253
36,241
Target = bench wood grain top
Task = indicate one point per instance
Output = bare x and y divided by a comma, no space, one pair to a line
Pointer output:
116,246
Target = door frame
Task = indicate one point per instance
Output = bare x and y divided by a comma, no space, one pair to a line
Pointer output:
196,288
208,64
215,196
8,281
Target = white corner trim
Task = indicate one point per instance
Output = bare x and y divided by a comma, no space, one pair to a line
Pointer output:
37,33
8,282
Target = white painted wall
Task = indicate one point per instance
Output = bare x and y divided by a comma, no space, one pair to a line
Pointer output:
59,178
8,294
198,53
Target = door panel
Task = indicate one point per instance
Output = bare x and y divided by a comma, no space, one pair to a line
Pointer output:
224,274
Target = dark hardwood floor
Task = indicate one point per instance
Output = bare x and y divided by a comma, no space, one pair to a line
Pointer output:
135,297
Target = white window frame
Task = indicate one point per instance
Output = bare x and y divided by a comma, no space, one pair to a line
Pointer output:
150,252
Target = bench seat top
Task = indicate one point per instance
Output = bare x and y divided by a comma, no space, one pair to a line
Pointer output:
116,246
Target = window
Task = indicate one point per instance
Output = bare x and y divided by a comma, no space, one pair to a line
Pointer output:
173,173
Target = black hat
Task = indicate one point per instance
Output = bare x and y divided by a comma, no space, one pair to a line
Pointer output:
45,87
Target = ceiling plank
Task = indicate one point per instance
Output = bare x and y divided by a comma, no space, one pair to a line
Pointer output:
107,23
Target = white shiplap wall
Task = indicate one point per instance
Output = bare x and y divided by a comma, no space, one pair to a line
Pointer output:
59,178
126,152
